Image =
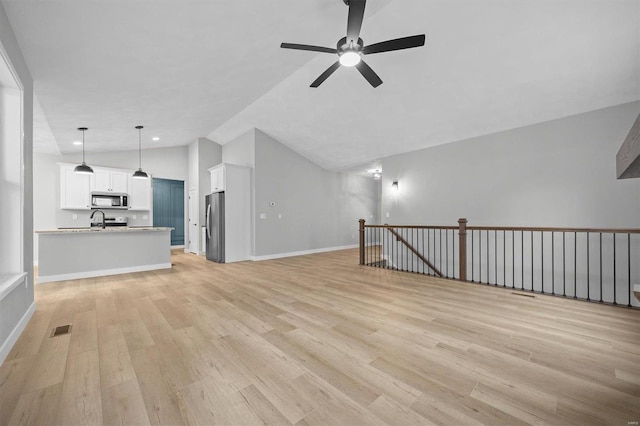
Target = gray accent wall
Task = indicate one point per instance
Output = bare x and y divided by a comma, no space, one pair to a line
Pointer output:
557,173
16,304
314,208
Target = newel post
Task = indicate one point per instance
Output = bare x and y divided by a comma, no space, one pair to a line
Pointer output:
361,232
462,255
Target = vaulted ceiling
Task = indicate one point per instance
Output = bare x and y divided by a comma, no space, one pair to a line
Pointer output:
186,69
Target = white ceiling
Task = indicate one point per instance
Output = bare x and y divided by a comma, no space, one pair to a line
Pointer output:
186,69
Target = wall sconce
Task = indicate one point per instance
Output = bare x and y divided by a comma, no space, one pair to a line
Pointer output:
394,185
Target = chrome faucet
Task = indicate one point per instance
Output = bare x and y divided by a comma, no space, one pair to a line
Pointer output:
103,220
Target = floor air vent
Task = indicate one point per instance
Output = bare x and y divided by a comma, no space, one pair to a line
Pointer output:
60,330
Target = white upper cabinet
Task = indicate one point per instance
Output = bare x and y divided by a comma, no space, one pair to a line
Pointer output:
140,193
218,178
74,189
109,180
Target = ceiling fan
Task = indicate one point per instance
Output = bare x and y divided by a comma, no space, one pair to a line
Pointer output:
351,48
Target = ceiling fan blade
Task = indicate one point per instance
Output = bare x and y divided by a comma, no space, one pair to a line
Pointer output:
326,74
396,44
369,74
308,47
354,22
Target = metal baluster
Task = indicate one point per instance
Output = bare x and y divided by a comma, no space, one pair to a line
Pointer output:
575,265
588,268
541,261
488,259
513,259
480,255
446,261
600,267
522,258
495,258
615,299
440,240
472,261
532,261
553,264
564,272
504,258
629,265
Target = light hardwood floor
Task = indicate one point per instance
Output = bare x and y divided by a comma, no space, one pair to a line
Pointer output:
316,340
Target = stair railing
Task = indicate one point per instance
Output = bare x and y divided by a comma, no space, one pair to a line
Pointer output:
592,264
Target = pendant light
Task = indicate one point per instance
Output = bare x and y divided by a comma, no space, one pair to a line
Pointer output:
83,168
139,174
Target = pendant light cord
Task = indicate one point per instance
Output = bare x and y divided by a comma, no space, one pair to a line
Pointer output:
140,148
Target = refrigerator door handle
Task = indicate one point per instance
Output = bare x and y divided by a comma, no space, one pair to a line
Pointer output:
208,214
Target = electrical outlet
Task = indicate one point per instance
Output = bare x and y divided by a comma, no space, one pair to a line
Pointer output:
134,217
387,214
279,215
145,217
75,216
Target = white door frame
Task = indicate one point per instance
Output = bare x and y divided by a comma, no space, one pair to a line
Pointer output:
194,230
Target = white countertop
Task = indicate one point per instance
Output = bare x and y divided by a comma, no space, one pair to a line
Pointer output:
98,230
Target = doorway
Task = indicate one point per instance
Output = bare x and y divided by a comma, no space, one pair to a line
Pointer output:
194,212
168,207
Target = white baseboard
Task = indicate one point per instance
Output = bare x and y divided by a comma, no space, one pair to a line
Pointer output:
177,247
101,273
301,253
7,345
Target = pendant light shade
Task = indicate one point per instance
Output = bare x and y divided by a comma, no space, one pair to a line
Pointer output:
83,168
139,174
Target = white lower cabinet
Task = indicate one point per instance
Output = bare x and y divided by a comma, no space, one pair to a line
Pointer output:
75,193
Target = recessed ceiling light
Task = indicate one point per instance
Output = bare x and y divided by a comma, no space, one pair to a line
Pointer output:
155,138
77,143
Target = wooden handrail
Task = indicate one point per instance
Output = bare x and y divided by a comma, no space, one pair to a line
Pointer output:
412,226
517,228
410,247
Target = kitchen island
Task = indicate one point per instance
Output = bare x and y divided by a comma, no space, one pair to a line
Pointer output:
67,254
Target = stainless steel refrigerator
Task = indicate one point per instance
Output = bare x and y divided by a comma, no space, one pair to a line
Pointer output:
215,226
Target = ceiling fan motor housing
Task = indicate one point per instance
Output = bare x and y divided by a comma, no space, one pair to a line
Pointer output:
343,46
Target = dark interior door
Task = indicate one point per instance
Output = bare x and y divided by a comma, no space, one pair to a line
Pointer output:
168,207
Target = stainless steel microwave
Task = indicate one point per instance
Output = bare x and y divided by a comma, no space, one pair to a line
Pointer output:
109,200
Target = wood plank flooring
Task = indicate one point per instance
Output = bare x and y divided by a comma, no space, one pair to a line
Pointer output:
316,340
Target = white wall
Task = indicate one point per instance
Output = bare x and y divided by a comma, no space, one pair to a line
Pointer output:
558,173
319,208
166,163
242,150
18,305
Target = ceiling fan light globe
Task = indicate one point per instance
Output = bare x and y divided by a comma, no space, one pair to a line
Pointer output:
350,59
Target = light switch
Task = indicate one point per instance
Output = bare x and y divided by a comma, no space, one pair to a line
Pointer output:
263,215
387,214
